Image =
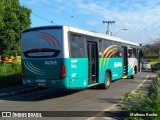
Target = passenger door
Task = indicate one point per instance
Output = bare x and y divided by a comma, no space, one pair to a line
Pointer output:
92,62
125,60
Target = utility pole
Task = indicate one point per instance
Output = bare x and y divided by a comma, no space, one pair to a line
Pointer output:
108,32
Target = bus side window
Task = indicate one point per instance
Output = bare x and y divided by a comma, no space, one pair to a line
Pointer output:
116,50
134,52
100,44
130,52
77,46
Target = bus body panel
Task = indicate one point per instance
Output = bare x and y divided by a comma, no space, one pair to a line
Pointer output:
132,62
42,57
78,72
42,67
112,64
45,71
115,65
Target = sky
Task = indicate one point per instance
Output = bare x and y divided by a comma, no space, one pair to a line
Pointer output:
141,18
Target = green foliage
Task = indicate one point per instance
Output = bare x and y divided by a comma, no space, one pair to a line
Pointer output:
133,118
126,96
154,60
9,69
146,103
158,73
152,48
10,74
13,19
149,52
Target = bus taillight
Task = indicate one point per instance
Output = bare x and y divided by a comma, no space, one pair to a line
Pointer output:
63,71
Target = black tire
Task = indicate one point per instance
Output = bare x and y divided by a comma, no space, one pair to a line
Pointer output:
135,70
132,76
107,80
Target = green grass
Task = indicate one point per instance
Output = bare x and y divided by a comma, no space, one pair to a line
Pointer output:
154,61
150,102
127,96
10,74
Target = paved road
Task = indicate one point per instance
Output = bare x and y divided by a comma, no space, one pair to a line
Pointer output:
61,100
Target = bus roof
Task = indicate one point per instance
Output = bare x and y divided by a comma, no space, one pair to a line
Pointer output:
100,35
84,32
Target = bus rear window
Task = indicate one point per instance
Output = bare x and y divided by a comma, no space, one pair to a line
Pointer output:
41,53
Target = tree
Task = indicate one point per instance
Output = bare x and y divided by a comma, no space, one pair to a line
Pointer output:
147,49
13,19
155,47
152,48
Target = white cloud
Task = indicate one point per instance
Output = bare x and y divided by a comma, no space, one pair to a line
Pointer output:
141,21
140,17
35,1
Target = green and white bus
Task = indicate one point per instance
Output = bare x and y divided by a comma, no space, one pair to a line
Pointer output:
71,58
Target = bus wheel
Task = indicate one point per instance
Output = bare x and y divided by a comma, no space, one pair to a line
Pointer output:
132,76
135,70
107,81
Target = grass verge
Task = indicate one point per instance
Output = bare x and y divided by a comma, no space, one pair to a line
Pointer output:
144,102
154,61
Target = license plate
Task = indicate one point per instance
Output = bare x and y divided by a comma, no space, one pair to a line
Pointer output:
41,84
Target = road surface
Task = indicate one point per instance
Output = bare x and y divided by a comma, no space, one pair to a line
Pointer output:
91,99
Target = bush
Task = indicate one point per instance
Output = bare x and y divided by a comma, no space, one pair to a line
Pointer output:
154,60
158,73
9,69
10,74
